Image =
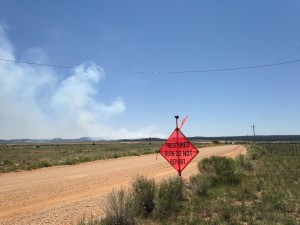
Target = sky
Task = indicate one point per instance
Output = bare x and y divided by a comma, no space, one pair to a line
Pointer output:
105,45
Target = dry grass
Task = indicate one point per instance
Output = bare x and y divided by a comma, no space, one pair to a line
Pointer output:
33,156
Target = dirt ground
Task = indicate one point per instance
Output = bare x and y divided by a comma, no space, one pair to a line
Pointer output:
65,194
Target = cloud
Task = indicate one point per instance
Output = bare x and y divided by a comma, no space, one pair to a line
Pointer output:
36,103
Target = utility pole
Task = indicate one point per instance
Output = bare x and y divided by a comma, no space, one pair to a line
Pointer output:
253,128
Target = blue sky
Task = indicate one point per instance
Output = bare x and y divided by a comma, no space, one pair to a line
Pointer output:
159,36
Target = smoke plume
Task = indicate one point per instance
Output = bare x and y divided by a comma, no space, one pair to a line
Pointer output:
35,102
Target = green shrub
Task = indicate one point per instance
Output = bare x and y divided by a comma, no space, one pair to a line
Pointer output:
170,195
44,163
254,155
7,162
220,169
216,142
90,221
115,155
200,184
244,162
70,161
143,195
246,191
118,210
256,152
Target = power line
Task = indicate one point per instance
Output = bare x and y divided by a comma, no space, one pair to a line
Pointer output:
38,64
157,72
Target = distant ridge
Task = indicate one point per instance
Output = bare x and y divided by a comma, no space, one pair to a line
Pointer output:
260,138
54,140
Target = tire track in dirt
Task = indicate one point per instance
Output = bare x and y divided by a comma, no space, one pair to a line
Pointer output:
64,194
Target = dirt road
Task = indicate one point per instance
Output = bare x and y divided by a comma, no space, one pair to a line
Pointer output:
64,194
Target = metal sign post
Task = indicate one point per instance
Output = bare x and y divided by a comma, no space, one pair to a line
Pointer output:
178,150
179,170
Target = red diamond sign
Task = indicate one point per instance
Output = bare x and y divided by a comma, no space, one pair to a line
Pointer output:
178,150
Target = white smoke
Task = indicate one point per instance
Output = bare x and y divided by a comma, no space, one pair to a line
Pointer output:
34,103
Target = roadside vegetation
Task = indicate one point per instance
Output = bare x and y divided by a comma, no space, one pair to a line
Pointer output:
261,187
15,157
34,156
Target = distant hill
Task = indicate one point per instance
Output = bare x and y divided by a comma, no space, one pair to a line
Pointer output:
54,140
259,138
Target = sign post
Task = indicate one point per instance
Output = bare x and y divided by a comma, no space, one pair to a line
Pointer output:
178,150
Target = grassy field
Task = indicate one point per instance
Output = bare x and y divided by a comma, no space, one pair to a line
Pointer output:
267,193
33,156
259,188
14,157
